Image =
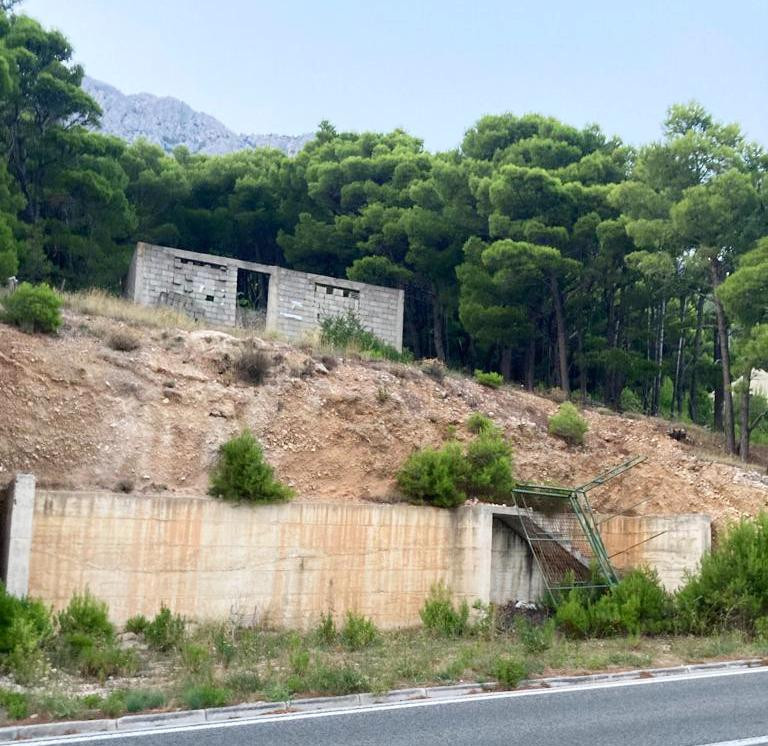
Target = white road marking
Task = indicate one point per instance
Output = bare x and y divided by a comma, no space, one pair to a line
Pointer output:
463,699
758,741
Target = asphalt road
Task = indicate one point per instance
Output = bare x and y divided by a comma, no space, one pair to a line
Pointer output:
718,709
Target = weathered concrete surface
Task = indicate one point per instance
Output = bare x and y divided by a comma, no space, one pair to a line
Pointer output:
18,512
284,563
677,549
288,564
204,286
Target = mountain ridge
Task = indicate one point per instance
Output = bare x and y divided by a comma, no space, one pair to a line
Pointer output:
170,123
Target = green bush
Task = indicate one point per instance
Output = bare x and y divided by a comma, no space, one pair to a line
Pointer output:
166,631
489,471
325,632
478,423
629,401
730,590
85,617
33,308
358,631
137,624
242,474
572,616
492,380
637,605
337,680
440,617
509,671
138,700
15,704
25,628
535,638
103,661
195,658
199,696
568,424
434,476
347,332
244,682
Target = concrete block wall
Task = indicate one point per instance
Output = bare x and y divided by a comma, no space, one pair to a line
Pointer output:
202,289
16,534
205,287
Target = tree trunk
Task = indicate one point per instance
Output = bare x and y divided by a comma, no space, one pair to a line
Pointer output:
562,350
677,396
718,403
693,401
744,416
530,362
506,362
582,370
437,329
722,331
658,359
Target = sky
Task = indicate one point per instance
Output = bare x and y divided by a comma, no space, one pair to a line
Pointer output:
431,67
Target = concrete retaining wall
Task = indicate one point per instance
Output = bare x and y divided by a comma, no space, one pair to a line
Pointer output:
288,564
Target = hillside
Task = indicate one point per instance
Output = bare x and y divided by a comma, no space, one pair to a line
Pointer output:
79,414
169,122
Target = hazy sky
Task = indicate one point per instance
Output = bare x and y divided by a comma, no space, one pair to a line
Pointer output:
432,67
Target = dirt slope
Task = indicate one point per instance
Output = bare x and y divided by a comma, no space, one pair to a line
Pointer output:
78,414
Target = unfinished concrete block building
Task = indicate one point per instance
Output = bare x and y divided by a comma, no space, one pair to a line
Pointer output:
232,292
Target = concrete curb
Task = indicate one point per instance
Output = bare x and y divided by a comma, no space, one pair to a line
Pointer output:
252,710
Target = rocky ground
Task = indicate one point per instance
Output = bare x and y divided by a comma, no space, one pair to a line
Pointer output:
79,414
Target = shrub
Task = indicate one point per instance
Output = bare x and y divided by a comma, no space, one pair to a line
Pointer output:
242,474
488,474
137,624
731,587
440,617
434,476
253,365
196,658
137,700
244,682
492,379
535,638
509,671
24,622
86,616
15,704
568,424
358,631
33,308
434,368
478,423
347,332
103,661
166,631
636,605
199,696
123,341
326,629
629,401
337,680
572,617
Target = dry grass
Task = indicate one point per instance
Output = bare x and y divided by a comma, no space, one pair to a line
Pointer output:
99,303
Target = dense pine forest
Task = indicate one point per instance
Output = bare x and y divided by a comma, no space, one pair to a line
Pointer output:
558,256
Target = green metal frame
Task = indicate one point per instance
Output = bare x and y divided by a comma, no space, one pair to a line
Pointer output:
537,534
